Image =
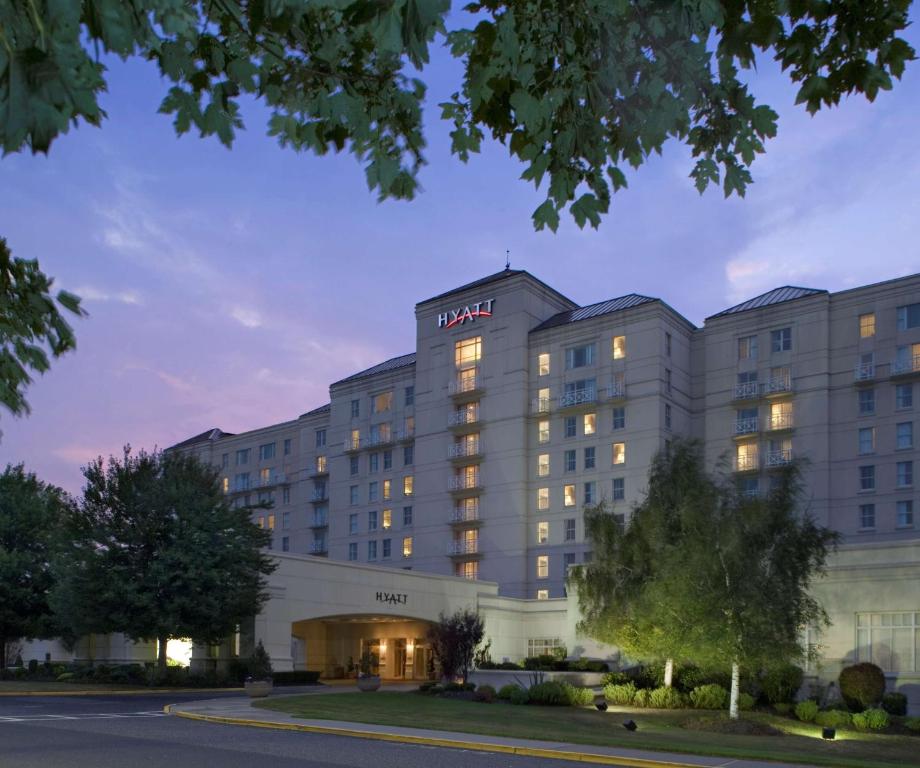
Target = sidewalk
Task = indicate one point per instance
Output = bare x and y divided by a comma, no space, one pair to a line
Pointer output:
239,711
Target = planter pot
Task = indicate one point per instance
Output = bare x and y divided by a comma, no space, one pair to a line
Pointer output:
370,683
258,689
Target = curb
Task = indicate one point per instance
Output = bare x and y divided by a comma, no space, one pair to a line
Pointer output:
553,754
129,692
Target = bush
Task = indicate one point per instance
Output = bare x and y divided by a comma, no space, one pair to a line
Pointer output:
65,677
895,703
427,686
579,697
297,677
833,718
485,694
459,687
550,694
782,682
643,698
782,707
504,693
710,696
615,678
621,695
745,702
588,665
912,723
806,711
872,720
862,685
519,695
259,664
667,698
498,665
689,677
33,666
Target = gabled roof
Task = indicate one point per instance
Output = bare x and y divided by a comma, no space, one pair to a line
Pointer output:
210,434
394,363
317,411
776,296
594,310
503,275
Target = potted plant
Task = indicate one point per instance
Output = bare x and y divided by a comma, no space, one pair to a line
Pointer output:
258,683
368,680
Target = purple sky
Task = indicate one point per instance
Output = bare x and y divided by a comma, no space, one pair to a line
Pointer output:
229,288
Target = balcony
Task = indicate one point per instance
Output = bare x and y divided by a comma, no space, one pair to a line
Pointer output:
463,548
747,463
352,444
466,383
463,483
864,372
780,421
778,385
319,495
464,450
578,397
319,548
240,487
779,458
464,515
905,365
375,441
462,418
747,426
540,405
748,390
320,521
616,390
403,435
276,479
318,471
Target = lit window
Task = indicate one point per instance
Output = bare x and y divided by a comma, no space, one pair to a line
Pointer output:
568,495
867,325
320,464
542,594
867,440
747,348
619,453
542,532
543,363
619,347
907,359
467,352
265,476
386,489
543,431
905,435
271,522
408,484
780,415
410,426
543,498
355,441
746,457
386,519
381,403
543,465
467,570
781,340
542,566
407,546
590,423
225,484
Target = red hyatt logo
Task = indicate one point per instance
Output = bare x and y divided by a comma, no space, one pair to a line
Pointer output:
460,315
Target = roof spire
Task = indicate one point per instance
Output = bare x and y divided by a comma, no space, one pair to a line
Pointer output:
507,259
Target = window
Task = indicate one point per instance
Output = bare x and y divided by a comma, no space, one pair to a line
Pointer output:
266,497
387,492
467,352
372,520
619,417
407,546
387,460
907,359
905,474
746,457
387,548
904,396
241,482
568,495
242,456
890,640
542,646
579,357
543,431
286,495
373,462
265,476
781,340
372,550
569,529
408,455
866,402
749,486
867,516
867,477
543,465
542,566
225,461
468,570
747,348
542,532
386,519
667,344
380,433
619,347
867,325
667,415
667,380
543,399
355,442
866,440
409,395
589,458
543,364
905,513
353,523
542,498
542,594
353,465
353,494
271,522
409,429
355,408
285,544
619,453
408,485
570,429
353,550
569,461
904,435
590,423
568,560
908,316
407,517
619,488
590,492
372,491
381,403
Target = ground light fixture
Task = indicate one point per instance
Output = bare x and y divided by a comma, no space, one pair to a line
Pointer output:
601,706
630,725
829,733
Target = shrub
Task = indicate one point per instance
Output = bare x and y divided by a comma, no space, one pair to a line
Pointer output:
579,697
806,711
710,696
782,682
642,698
259,664
895,703
667,698
614,678
427,686
505,691
872,720
621,695
498,665
690,677
782,707
862,685
296,677
833,718
588,665
485,694
33,666
912,723
65,677
745,702
459,687
550,694
519,695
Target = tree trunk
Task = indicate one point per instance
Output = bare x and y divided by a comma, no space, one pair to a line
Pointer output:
733,697
161,654
668,673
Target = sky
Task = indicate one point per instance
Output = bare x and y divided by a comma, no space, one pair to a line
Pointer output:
229,288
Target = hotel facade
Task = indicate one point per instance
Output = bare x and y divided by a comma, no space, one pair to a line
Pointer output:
455,475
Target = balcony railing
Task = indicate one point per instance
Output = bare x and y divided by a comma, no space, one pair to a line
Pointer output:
463,482
750,493
405,434
319,548
747,463
459,418
540,405
275,479
778,385
747,390
905,365
578,397
616,390
864,372
352,444
465,382
465,514
320,521
780,421
320,494
374,441
463,547
779,458
463,449
746,426
240,487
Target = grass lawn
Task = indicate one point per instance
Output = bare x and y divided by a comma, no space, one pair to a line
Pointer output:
658,729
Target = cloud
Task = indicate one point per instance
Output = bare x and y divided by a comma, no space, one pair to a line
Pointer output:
247,317
78,454
89,293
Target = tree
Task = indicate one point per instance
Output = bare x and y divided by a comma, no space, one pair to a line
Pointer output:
29,321
578,91
454,640
31,514
158,552
731,578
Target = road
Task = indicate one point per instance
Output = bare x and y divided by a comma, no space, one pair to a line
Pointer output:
131,731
